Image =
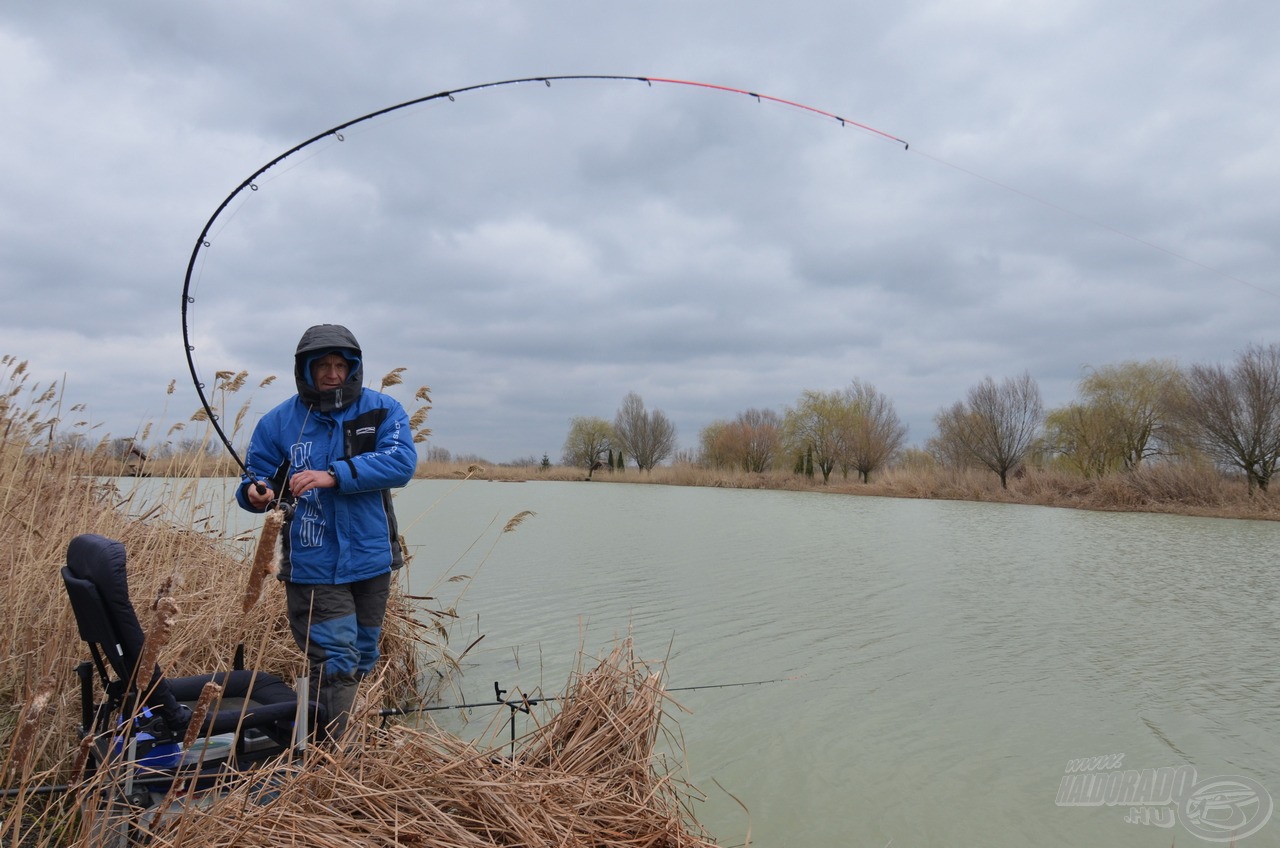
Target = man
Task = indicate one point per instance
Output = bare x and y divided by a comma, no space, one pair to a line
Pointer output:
333,452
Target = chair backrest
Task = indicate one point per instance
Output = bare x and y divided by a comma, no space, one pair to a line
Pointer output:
98,587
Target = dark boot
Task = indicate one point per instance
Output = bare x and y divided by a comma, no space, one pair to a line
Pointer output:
337,695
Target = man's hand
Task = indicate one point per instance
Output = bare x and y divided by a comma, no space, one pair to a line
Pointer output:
259,500
305,481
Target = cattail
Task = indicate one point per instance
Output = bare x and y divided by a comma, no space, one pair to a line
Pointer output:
164,612
37,708
168,587
82,758
208,695
266,559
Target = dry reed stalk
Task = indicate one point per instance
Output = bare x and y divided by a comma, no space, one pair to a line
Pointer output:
266,558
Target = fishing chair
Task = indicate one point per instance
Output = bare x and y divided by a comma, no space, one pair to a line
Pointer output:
258,708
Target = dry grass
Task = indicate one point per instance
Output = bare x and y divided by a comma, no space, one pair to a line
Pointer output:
587,775
46,498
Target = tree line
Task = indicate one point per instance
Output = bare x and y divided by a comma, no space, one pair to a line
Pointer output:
1123,415
645,437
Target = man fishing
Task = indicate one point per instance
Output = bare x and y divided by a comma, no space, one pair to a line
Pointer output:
333,452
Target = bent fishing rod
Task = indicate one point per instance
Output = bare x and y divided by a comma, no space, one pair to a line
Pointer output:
525,703
250,183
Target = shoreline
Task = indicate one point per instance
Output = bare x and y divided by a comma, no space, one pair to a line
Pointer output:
1196,495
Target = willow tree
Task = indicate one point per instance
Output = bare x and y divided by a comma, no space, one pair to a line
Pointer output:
815,427
750,442
1085,438
1120,418
1131,398
589,440
715,445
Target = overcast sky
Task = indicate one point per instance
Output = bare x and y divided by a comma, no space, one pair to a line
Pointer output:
1086,183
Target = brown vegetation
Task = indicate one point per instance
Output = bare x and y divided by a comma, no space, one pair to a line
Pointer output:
586,775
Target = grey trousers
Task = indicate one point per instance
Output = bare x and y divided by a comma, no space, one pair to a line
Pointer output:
338,627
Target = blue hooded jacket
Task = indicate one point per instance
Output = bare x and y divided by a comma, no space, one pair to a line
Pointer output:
362,437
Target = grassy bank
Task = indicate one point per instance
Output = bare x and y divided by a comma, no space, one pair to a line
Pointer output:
1160,488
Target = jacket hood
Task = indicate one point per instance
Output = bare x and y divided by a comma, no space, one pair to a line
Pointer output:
319,341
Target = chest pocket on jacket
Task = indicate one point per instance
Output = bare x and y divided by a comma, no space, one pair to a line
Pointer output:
360,434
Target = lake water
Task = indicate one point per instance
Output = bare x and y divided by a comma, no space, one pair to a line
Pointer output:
946,661
949,673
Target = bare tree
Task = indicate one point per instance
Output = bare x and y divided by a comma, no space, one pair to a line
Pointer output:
589,440
1233,415
435,453
647,437
876,432
761,434
996,425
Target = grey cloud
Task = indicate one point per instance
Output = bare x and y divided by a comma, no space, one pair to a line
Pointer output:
534,254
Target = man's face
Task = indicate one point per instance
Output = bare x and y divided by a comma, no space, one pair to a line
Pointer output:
329,372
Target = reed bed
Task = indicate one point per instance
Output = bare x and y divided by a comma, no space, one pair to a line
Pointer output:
187,583
587,775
